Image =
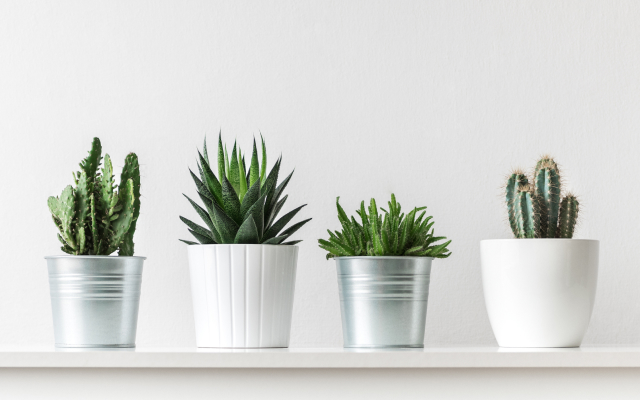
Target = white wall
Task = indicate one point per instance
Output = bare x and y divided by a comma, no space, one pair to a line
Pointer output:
434,101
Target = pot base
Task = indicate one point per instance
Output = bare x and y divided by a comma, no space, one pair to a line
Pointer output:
393,346
95,346
242,348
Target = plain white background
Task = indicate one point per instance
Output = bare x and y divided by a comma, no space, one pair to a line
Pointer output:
434,101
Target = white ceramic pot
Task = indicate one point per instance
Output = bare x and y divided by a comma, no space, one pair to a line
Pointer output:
539,292
242,294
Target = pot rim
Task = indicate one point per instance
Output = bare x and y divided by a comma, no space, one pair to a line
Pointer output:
95,257
383,258
240,244
540,240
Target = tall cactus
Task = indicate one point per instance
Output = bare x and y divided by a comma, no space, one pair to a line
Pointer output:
95,217
538,210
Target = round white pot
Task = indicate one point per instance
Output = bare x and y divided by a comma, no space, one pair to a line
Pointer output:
539,292
242,294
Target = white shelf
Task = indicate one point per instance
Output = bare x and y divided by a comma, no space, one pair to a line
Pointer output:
465,357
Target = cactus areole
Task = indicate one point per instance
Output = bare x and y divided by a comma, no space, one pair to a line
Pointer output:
536,207
98,217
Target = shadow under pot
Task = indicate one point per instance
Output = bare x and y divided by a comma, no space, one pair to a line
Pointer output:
539,292
383,300
95,300
242,294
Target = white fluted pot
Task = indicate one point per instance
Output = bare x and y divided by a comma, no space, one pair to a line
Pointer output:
242,294
539,292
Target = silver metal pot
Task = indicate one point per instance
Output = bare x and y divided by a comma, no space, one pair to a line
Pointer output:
383,300
95,300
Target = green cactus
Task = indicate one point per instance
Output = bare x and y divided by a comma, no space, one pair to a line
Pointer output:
516,180
95,218
524,214
536,211
568,216
241,205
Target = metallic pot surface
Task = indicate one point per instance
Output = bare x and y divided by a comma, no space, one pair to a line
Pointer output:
383,300
95,300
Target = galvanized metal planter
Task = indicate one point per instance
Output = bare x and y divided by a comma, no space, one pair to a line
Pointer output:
95,300
383,300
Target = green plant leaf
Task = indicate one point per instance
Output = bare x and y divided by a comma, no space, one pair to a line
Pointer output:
190,243
206,217
200,230
247,233
242,177
281,223
293,228
202,189
234,170
254,170
278,191
253,194
231,202
208,177
203,239
257,212
263,169
221,157
205,152
275,240
226,227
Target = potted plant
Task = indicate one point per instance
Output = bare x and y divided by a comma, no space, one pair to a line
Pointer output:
243,267
384,267
540,287
95,296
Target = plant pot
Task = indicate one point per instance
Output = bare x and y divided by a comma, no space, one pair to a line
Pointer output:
242,294
539,292
95,300
383,300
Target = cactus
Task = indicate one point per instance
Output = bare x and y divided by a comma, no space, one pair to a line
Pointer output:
95,218
538,210
568,216
240,206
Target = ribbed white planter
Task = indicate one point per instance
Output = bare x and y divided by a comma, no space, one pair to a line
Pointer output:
242,294
539,292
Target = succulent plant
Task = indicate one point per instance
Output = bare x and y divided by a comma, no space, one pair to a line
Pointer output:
538,210
96,217
392,235
242,205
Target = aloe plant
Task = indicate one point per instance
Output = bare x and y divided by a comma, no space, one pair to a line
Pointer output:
240,204
96,217
393,234
538,210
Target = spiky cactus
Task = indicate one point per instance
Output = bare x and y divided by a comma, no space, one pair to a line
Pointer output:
96,217
538,210
241,205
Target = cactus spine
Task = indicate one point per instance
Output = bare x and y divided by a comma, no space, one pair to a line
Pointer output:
538,210
95,218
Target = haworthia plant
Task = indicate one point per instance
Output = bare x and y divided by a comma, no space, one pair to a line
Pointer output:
240,205
96,217
393,234
538,210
